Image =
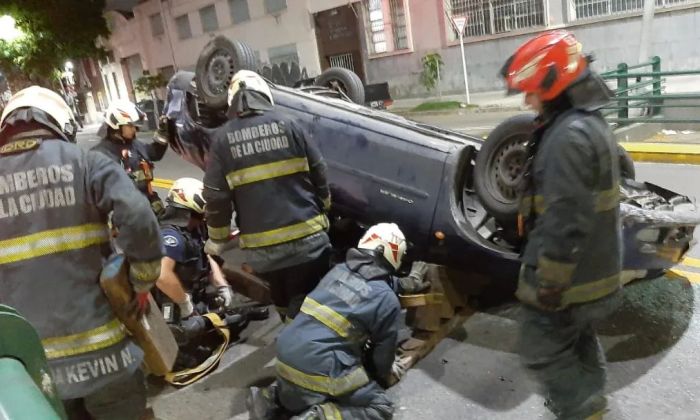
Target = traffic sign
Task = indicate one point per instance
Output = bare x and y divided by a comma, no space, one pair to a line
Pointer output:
460,22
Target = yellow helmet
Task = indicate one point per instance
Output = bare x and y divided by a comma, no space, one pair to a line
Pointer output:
187,193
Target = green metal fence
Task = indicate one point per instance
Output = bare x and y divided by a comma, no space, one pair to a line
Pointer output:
643,90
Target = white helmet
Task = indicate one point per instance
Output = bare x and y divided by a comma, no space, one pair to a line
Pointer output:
390,238
187,193
47,101
122,112
251,81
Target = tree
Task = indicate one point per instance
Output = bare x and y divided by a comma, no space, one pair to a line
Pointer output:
430,77
149,84
54,31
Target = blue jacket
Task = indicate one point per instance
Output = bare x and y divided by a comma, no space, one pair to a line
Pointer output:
324,347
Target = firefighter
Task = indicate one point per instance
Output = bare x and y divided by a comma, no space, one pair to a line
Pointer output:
185,263
119,143
54,202
262,165
571,262
337,355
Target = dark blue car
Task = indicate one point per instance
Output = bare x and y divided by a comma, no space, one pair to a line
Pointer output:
455,209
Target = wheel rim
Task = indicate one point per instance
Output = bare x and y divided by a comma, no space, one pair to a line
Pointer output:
337,85
220,71
505,169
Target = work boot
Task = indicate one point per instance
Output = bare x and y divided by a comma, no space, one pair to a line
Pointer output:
262,402
313,413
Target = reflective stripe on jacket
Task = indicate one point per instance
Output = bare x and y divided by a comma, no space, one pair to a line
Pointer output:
264,166
322,349
572,208
54,201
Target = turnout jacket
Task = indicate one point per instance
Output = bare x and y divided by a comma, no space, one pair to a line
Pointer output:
323,348
571,203
54,202
136,158
264,167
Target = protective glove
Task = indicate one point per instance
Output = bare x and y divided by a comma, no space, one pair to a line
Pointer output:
550,297
186,307
217,248
398,370
161,134
139,305
225,293
415,282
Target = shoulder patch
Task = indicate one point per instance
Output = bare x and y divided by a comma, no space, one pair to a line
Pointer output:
19,146
170,240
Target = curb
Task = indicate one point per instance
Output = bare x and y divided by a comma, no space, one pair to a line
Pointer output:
461,111
681,153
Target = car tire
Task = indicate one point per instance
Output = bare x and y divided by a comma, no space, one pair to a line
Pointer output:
220,59
342,79
499,165
626,163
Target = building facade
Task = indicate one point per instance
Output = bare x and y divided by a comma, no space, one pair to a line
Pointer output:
385,40
400,32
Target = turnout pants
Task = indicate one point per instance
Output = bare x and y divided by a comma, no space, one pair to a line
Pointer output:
124,399
562,352
290,285
367,403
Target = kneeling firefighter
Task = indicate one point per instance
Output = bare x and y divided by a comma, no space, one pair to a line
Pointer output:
54,239
337,355
191,279
119,143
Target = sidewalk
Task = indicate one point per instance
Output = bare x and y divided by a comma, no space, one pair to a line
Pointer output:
484,100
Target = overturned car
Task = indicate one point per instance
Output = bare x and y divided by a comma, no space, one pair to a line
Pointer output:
452,194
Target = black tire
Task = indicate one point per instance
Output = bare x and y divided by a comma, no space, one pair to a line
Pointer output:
217,63
499,166
348,82
626,163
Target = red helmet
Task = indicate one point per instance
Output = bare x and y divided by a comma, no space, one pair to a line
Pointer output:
545,65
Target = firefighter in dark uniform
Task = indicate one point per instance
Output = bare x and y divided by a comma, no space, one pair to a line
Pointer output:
54,202
571,262
119,143
326,370
262,165
185,263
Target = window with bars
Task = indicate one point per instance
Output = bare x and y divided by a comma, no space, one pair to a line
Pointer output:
386,25
588,9
488,17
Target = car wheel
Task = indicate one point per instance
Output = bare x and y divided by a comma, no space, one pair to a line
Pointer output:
217,63
343,80
626,163
499,167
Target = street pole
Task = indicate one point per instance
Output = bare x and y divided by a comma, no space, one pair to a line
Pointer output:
647,20
464,65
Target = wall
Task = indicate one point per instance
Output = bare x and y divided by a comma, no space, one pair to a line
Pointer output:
612,40
262,32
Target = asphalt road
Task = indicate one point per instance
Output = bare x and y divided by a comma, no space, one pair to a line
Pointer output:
651,344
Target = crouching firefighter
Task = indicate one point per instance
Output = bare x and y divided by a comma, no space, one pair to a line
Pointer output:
119,143
54,202
263,167
571,263
188,275
337,355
